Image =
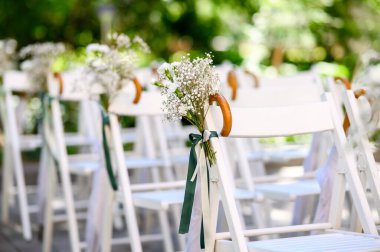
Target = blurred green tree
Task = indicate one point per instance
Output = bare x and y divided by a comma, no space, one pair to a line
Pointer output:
262,32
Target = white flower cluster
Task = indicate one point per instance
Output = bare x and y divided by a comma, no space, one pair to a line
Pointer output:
7,54
38,60
111,66
369,77
186,86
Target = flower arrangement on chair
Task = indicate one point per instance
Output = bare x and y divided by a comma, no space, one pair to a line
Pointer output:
7,54
110,67
38,60
368,76
188,87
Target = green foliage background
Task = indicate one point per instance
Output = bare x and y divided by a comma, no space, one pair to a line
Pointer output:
255,33
339,29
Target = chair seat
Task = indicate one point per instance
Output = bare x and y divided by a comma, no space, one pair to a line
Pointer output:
289,191
142,162
83,164
161,200
334,242
31,142
280,155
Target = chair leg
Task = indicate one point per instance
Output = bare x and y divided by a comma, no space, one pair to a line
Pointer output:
177,217
164,223
70,210
21,193
43,171
117,220
106,236
48,207
6,185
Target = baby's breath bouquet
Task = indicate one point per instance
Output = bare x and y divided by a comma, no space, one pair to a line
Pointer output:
38,60
110,66
369,77
7,54
186,87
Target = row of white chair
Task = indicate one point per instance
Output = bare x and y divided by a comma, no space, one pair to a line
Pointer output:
149,111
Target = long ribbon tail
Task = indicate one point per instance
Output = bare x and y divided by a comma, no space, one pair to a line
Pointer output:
47,135
191,182
190,187
106,150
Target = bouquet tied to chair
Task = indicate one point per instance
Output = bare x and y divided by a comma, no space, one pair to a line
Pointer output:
109,69
7,55
186,87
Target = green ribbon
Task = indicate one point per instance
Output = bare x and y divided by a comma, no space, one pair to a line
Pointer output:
45,118
188,200
106,150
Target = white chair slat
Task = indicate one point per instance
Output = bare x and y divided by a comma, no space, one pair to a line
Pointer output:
279,95
324,242
150,104
264,122
17,81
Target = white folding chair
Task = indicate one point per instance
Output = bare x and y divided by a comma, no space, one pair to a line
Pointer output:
280,121
17,142
82,164
367,167
303,89
159,195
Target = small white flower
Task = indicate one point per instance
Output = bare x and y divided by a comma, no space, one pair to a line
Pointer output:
112,66
170,85
97,48
38,59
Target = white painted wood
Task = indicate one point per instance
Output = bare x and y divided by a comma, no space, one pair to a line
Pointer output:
264,122
370,171
324,242
129,211
285,96
150,104
277,230
16,81
351,175
48,227
289,191
225,190
16,160
65,174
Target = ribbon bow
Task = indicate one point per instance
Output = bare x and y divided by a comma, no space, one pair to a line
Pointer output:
197,150
106,150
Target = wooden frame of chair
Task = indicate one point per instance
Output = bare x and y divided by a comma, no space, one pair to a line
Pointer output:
316,117
63,168
368,170
14,81
147,107
276,94
16,142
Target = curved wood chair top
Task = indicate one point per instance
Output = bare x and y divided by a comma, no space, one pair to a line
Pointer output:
226,111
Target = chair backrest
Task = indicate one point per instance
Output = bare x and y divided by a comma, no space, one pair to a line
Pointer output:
152,135
150,104
67,86
245,79
360,137
300,88
265,121
17,81
276,96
